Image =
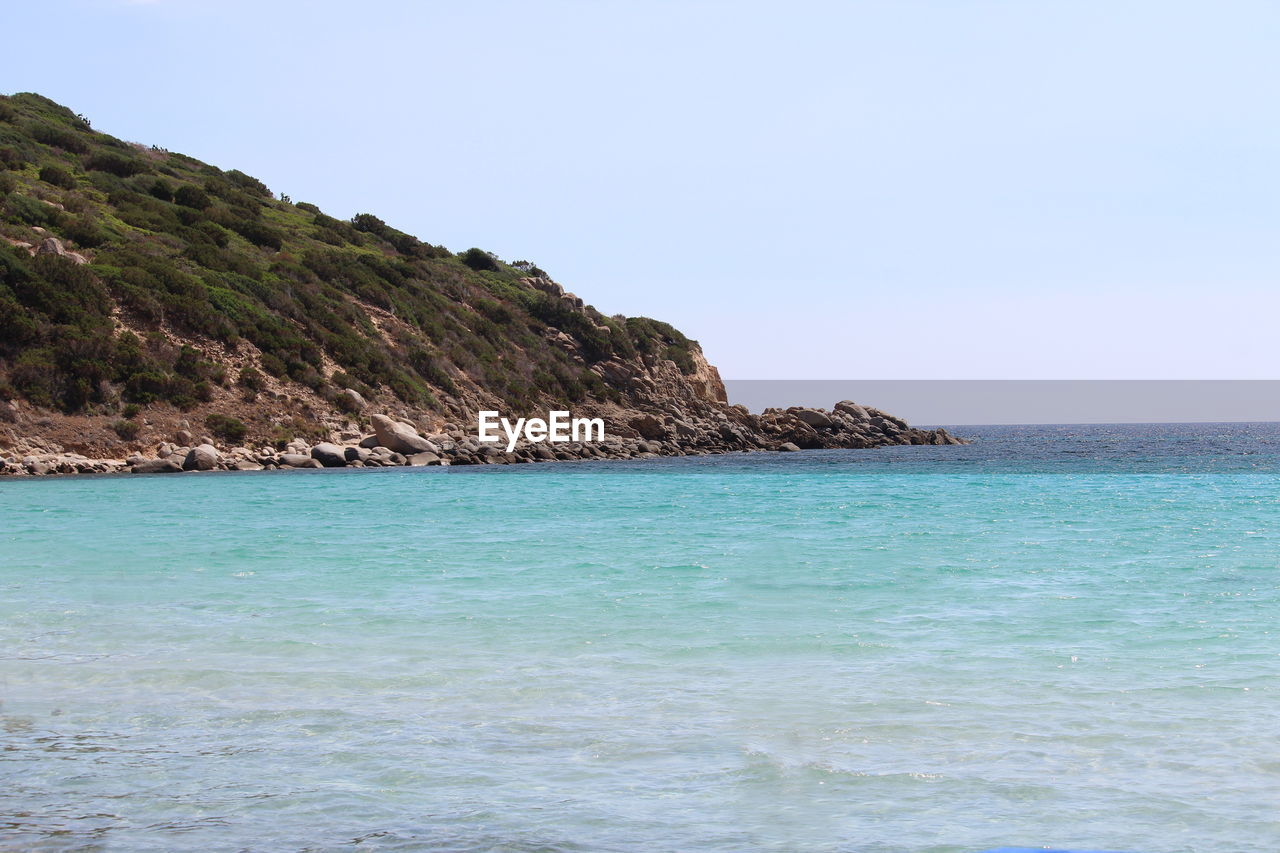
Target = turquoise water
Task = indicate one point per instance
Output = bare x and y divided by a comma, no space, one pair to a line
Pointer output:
828,651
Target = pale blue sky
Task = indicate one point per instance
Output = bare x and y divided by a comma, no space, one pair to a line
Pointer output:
878,190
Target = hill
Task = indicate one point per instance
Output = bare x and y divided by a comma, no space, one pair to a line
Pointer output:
144,293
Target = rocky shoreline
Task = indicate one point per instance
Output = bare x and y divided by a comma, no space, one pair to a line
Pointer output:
148,298
394,443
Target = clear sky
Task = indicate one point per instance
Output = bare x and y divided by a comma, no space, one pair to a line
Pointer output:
877,190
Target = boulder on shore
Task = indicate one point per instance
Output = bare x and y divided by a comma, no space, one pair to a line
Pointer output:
156,466
853,410
400,437
329,455
813,418
203,457
648,426
296,460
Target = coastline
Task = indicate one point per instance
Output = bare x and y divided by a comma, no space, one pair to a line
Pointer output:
390,443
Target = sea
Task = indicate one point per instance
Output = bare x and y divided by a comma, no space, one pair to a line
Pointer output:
1061,636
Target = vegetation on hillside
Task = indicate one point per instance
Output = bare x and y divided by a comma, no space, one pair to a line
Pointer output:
182,252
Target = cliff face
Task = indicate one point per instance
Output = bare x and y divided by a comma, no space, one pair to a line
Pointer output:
148,300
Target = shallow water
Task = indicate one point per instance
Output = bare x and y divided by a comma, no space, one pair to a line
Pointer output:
1061,636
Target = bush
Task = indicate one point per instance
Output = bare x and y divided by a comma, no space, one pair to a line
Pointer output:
479,259
132,410
190,196
273,365
146,386
305,374
227,428
59,137
127,430
86,232
8,183
181,392
73,202
11,158
57,176
248,183
33,376
369,223
259,234
252,379
116,164
25,209
161,190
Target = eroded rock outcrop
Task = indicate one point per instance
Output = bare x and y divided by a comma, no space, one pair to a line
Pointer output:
399,437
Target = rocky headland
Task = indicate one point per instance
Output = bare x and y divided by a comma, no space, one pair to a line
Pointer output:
159,314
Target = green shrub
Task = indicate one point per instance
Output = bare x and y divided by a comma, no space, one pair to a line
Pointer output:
405,243
248,183
73,202
479,259
85,231
11,158
259,233
30,211
328,235
132,410
34,376
143,211
161,190
8,183
274,366
226,427
146,386
192,196
188,363
428,367
182,393
252,379
213,233
306,374
59,137
57,176
116,164
369,223
127,430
